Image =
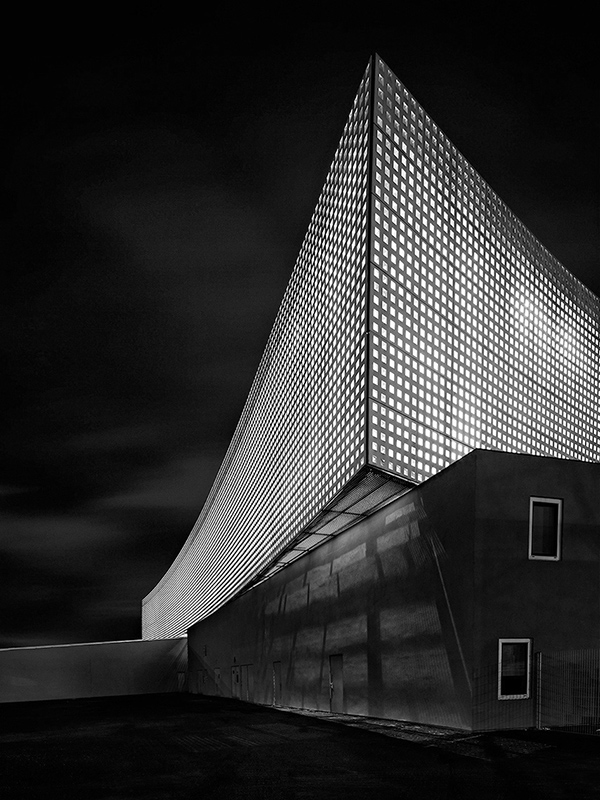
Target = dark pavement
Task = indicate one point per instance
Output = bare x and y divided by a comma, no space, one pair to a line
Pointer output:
180,746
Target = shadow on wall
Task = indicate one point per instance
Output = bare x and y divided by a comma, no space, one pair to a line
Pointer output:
363,625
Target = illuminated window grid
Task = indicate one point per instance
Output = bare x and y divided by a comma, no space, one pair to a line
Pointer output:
480,338
302,435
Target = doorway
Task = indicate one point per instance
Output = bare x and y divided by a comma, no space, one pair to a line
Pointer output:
277,683
336,684
235,682
247,682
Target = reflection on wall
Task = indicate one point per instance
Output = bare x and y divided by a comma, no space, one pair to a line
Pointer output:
374,596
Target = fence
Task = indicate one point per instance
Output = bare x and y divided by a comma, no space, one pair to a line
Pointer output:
568,690
564,695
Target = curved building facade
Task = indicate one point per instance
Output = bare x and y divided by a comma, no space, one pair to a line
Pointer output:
302,433
422,320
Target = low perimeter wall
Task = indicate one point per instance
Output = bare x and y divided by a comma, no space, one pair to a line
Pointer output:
101,669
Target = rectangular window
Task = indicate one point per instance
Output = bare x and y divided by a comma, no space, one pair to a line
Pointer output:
545,524
514,657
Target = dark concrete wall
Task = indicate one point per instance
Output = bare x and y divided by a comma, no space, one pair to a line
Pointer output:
557,604
415,599
92,670
387,596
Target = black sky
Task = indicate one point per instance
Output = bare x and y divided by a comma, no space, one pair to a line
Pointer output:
158,180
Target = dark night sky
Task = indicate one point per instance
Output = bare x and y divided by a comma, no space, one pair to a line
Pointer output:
157,184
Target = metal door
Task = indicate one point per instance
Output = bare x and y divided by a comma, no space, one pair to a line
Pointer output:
235,682
277,683
336,683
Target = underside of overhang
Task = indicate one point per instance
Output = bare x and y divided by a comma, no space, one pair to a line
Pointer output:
368,491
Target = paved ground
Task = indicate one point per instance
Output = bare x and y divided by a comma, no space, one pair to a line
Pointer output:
179,746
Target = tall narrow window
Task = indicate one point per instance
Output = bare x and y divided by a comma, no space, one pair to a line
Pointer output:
514,657
545,524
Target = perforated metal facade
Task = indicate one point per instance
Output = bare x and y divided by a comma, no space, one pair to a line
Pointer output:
302,435
422,320
480,337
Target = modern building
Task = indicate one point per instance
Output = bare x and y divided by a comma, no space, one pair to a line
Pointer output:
422,322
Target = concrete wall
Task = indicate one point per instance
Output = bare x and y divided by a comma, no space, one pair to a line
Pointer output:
554,603
405,609
381,608
92,670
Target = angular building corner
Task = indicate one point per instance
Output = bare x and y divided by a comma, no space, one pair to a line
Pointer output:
422,321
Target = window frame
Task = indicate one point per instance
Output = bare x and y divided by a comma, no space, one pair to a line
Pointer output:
558,502
527,694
